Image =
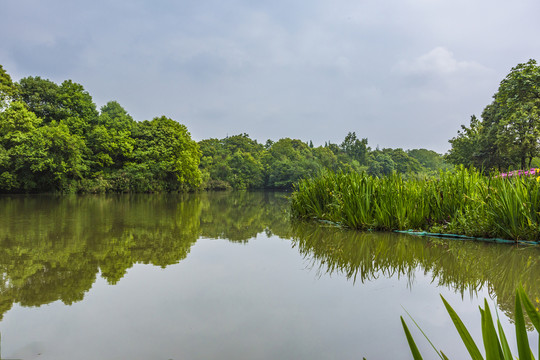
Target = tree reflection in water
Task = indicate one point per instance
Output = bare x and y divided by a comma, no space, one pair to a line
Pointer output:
53,247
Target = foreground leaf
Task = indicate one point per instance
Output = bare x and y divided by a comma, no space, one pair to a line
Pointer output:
410,340
463,332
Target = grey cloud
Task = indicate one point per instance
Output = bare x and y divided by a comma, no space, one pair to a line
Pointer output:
404,73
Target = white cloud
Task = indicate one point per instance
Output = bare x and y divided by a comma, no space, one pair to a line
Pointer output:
440,60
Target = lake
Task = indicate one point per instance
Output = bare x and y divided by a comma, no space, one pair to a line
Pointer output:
230,276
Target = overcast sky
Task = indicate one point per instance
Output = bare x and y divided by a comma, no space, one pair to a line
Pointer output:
403,73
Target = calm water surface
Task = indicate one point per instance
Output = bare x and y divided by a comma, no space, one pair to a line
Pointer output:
228,276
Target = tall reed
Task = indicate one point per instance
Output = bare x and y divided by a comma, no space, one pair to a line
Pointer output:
462,202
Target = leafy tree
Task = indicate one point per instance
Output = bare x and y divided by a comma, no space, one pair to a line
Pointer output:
518,100
168,153
17,126
37,157
110,140
246,172
235,161
325,157
242,143
68,103
403,163
41,96
114,116
55,158
356,149
429,159
381,165
288,161
508,133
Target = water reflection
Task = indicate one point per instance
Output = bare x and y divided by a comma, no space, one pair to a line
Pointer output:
53,248
464,266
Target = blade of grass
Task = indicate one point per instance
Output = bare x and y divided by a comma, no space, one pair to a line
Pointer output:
423,333
504,342
530,309
489,335
412,345
463,332
524,350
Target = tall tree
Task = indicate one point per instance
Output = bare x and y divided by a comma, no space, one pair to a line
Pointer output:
518,100
508,133
355,148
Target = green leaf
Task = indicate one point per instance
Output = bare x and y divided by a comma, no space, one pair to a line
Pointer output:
504,342
531,310
489,335
524,350
463,332
423,333
410,340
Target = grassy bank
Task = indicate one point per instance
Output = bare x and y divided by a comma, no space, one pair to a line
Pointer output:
459,202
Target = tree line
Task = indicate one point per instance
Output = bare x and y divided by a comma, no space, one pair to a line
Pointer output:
54,139
239,162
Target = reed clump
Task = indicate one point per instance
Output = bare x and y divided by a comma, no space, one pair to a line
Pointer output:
462,202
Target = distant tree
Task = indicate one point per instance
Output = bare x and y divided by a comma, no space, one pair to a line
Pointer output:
356,149
381,165
429,159
403,163
326,158
465,145
246,172
242,142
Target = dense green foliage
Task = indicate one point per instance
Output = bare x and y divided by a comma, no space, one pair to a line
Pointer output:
460,202
508,133
53,139
241,163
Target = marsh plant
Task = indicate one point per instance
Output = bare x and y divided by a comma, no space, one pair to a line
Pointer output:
460,202
496,346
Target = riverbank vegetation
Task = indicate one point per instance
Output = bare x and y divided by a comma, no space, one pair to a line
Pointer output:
54,139
462,201
476,201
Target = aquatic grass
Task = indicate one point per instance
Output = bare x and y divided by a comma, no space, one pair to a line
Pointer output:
495,342
462,202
